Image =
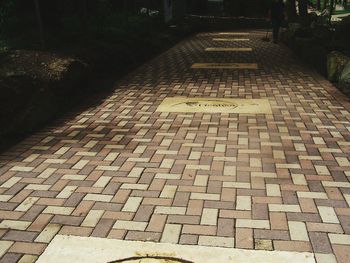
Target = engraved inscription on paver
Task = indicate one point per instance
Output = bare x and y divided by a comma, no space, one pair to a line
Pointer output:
214,105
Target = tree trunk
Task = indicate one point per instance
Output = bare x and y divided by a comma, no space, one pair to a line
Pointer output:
291,9
331,9
125,5
325,4
83,14
318,4
40,23
303,8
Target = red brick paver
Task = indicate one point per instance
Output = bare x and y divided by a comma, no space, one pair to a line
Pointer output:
122,170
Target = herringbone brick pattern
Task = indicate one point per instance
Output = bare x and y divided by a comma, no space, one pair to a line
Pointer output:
122,170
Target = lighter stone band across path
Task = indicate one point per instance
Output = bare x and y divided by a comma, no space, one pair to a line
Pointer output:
230,39
233,33
222,49
100,250
225,66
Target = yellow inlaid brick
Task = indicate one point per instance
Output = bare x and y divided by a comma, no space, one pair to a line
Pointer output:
347,198
322,170
201,180
58,210
38,187
336,184
102,181
244,203
315,195
28,259
67,192
278,154
202,196
170,210
284,208
213,241
273,190
132,204
92,218
328,214
220,148
167,163
27,204
62,150
5,198
21,169
255,162
55,161
75,177
168,191
339,239
48,233
168,176
318,140
298,231
4,246
237,185
171,233
136,172
111,156
98,197
47,173
342,161
198,167
288,165
209,216
31,158
130,225
264,174
80,165
134,186
13,224
140,149
11,182
251,223
299,179
230,170
325,258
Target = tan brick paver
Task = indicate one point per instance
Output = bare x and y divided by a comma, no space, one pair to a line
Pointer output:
119,169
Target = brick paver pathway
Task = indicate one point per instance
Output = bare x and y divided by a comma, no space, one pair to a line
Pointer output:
122,170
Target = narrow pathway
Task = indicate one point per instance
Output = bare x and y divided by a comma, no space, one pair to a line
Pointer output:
268,170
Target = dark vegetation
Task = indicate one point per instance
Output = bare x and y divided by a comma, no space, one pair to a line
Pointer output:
55,54
323,41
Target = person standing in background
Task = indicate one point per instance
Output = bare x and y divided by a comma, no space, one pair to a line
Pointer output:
277,14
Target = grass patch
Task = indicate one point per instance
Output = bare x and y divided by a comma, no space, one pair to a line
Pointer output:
336,12
341,12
